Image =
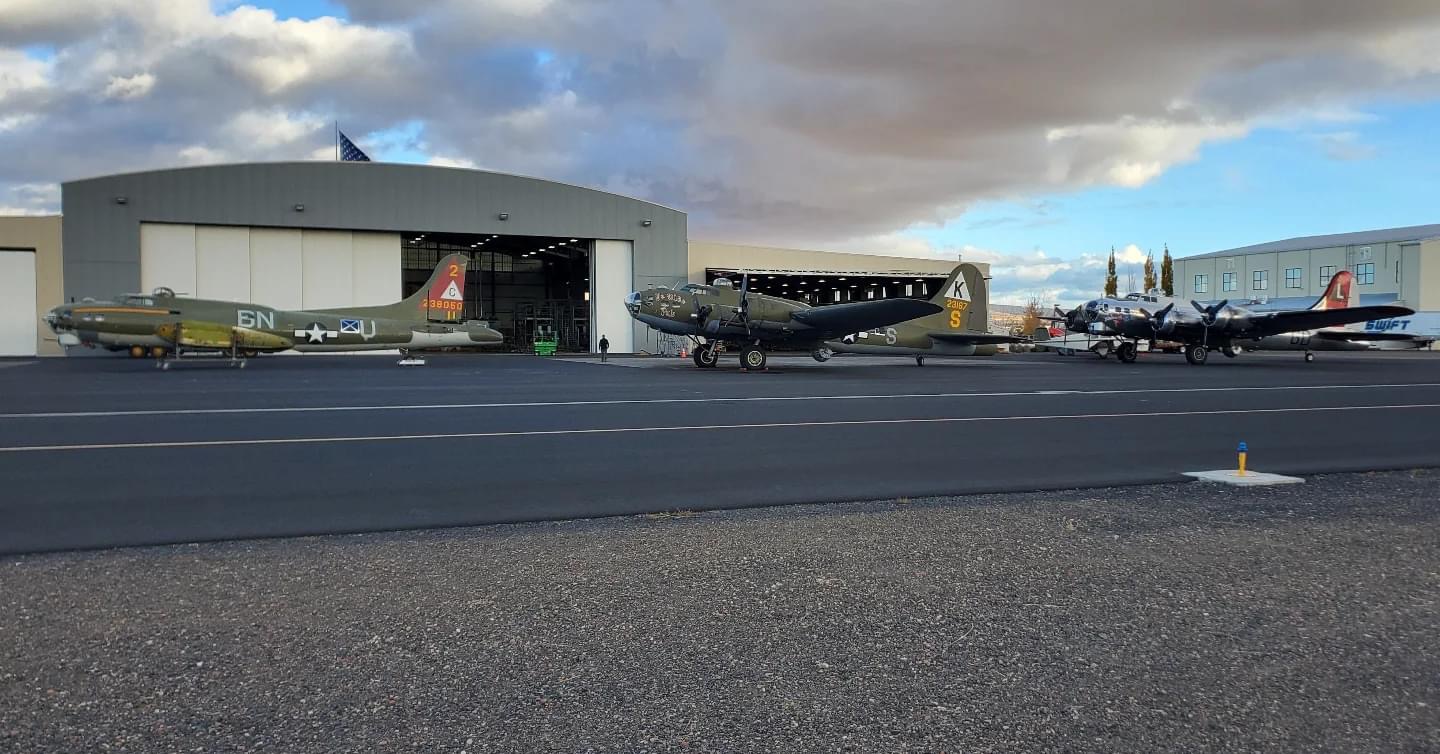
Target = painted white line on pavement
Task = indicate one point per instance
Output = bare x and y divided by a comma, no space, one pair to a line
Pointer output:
656,401
620,430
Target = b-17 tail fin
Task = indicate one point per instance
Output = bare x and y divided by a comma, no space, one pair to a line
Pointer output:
965,298
441,299
1339,294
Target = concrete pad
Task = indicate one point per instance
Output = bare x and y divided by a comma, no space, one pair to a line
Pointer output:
1250,479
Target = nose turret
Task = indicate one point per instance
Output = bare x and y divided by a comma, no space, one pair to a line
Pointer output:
59,319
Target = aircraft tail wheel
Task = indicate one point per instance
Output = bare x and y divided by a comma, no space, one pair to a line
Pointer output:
752,358
1309,357
1196,353
919,361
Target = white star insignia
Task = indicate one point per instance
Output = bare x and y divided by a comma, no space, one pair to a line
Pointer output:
316,333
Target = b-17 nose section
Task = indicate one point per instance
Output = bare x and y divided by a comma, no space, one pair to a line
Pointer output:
632,302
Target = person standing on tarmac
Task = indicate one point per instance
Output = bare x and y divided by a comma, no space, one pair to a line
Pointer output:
604,348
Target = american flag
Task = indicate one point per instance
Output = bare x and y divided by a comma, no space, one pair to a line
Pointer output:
350,152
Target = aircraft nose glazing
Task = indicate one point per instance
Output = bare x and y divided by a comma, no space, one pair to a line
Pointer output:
57,319
632,302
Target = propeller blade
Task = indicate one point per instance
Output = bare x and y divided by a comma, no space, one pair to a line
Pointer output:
744,300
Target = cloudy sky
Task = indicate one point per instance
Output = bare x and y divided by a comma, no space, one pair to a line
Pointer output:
1035,135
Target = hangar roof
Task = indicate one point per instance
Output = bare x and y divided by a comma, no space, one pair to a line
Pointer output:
1384,235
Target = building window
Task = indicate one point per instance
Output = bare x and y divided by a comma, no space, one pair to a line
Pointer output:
1326,272
1227,281
1365,273
1260,280
1292,277
1202,284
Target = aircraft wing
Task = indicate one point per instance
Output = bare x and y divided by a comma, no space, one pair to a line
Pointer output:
843,319
1274,323
973,338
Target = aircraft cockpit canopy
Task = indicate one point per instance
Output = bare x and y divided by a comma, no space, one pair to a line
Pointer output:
725,284
136,299
695,288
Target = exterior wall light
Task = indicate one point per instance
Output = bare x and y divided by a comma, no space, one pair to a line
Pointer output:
646,223
299,208
121,199
504,215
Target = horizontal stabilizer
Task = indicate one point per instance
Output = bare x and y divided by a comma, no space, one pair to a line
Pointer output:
843,319
973,338
1353,335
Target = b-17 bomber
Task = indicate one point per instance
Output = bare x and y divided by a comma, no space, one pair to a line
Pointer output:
162,324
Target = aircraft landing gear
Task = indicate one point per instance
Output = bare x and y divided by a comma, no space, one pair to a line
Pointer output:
705,356
1195,353
919,361
1309,357
1126,352
407,360
752,357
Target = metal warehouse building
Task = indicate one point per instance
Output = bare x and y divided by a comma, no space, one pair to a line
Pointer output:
548,258
1391,265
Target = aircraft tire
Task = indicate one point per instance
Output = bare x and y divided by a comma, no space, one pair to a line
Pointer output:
706,357
1196,353
1126,353
1309,357
752,358
919,361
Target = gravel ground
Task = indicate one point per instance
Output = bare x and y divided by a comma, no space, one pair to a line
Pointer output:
1174,617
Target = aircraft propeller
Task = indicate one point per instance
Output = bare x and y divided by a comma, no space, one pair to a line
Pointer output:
1158,321
743,310
1208,314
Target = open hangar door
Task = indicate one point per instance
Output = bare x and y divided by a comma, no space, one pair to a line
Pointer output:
527,287
823,288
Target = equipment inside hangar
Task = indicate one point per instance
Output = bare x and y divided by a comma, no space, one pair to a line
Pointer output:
528,287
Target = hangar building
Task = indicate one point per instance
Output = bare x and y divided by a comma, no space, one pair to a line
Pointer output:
1390,265
549,259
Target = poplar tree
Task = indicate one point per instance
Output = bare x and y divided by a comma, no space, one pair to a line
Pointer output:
1167,273
1112,281
1149,272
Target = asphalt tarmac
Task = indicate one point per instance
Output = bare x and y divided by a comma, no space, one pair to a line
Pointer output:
103,452
1180,617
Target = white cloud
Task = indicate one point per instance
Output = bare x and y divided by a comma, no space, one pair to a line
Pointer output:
803,122
129,87
1345,146
451,162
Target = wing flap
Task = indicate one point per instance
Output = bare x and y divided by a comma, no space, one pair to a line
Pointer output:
844,319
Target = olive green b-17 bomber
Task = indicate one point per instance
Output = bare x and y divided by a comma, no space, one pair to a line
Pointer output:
162,324
719,315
